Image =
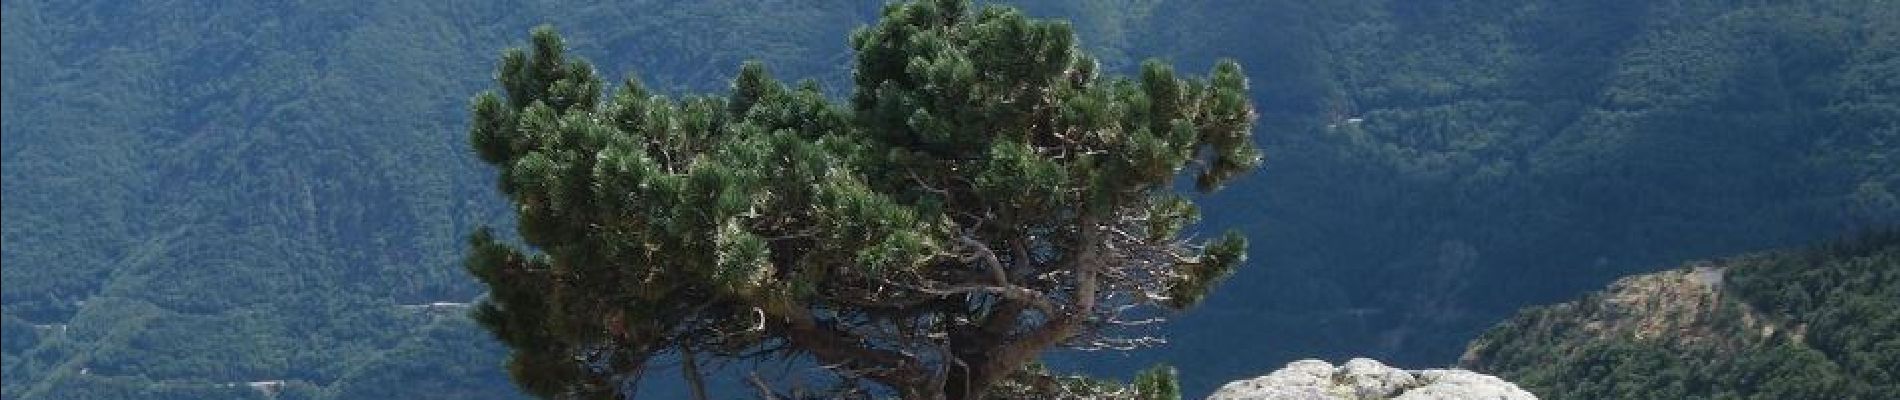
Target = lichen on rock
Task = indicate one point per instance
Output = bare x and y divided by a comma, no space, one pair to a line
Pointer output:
1367,379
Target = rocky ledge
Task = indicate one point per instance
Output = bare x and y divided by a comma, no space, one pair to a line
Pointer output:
1365,379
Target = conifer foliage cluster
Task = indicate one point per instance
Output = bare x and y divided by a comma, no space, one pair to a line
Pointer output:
985,194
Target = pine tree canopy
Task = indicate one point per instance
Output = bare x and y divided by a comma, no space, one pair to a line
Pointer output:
984,195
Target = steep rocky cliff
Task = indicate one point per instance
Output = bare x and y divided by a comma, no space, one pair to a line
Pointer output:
1822,322
1366,379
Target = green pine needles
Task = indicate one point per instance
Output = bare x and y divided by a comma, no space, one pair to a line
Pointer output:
984,195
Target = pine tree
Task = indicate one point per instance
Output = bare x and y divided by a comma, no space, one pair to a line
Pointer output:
983,196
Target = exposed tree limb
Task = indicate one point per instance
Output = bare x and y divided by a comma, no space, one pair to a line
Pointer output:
835,347
1010,356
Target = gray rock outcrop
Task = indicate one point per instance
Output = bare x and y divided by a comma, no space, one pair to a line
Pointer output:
1365,379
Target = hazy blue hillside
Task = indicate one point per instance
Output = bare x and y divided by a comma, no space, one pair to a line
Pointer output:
1433,166
202,194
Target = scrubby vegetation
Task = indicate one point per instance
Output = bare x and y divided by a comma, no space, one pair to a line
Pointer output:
1818,323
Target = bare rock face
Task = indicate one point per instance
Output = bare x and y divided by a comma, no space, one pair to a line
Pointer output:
1366,379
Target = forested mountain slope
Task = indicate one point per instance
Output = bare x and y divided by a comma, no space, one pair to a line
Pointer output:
1440,164
207,194
202,196
1817,323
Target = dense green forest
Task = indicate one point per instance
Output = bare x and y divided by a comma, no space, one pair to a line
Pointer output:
201,195
1817,323
1445,163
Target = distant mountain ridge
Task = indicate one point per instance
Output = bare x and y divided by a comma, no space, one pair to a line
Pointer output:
248,192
